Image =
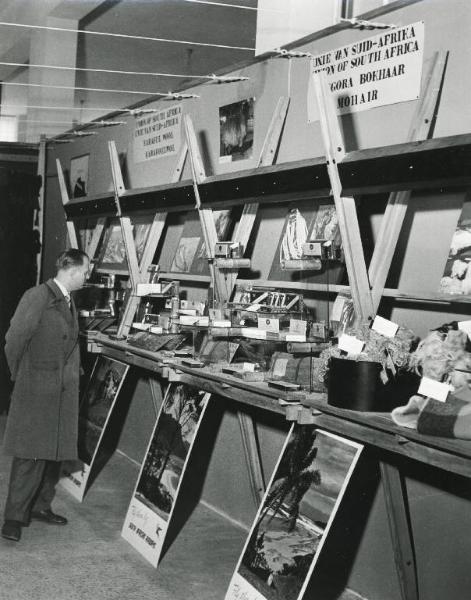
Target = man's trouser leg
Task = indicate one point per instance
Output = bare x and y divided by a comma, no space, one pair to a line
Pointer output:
47,489
26,476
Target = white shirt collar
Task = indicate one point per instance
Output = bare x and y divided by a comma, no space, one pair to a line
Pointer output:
62,288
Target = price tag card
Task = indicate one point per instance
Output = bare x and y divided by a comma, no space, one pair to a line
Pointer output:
337,308
295,337
298,326
434,389
279,368
268,324
222,323
350,344
466,327
385,327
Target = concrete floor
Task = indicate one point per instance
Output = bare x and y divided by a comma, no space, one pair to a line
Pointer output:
88,559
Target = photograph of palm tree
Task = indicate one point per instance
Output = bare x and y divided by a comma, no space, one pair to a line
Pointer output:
295,515
170,445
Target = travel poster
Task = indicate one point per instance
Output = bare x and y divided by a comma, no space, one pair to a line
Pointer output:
96,407
163,469
295,516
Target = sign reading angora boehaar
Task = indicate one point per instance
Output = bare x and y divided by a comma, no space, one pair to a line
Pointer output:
157,134
382,69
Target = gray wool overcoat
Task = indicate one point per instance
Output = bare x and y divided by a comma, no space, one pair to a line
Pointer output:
43,355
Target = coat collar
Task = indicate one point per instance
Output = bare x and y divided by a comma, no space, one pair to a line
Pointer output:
59,298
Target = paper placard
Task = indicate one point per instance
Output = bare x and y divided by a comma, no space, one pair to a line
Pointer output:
382,69
295,337
298,326
221,323
434,389
157,135
350,344
466,327
254,333
268,324
279,367
385,327
337,308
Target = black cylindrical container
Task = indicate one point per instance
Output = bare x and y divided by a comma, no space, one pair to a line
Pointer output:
354,384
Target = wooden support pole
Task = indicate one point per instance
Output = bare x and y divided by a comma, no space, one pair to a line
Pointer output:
345,206
72,234
396,208
38,223
252,456
400,530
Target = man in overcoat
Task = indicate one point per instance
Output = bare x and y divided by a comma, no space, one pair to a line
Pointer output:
43,355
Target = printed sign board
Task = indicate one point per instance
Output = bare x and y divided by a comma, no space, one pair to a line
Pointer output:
379,70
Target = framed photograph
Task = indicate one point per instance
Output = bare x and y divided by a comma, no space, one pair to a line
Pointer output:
112,256
456,277
295,516
79,176
236,130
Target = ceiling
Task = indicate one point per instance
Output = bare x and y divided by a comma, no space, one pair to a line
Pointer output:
184,20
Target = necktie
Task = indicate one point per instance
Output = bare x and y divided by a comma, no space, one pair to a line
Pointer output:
67,298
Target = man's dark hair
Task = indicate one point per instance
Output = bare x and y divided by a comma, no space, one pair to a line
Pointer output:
70,258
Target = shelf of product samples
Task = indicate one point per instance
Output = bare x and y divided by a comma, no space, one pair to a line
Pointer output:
376,429
437,164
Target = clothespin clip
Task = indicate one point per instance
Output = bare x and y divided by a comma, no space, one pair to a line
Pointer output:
82,133
361,24
140,111
228,78
283,53
109,123
177,96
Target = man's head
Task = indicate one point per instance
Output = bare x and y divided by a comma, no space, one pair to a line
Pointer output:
72,269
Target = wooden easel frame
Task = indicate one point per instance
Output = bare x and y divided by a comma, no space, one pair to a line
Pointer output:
224,283
138,272
366,300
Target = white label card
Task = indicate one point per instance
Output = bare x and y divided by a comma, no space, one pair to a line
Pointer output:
466,327
337,308
279,368
434,389
268,324
385,327
350,344
298,326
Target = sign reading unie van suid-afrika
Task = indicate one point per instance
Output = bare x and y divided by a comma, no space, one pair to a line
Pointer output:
382,69
158,134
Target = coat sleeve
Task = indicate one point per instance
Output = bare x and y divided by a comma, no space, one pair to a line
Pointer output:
22,326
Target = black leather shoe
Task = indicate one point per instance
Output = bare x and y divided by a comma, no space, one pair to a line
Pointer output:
47,516
11,530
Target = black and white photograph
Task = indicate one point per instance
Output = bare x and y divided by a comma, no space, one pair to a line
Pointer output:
254,218
236,130
457,274
79,176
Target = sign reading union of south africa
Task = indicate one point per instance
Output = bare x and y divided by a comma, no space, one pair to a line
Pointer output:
157,134
383,69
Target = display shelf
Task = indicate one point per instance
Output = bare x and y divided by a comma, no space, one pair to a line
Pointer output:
430,164
375,429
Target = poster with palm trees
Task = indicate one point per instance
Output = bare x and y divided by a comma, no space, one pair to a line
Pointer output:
295,516
96,406
162,471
